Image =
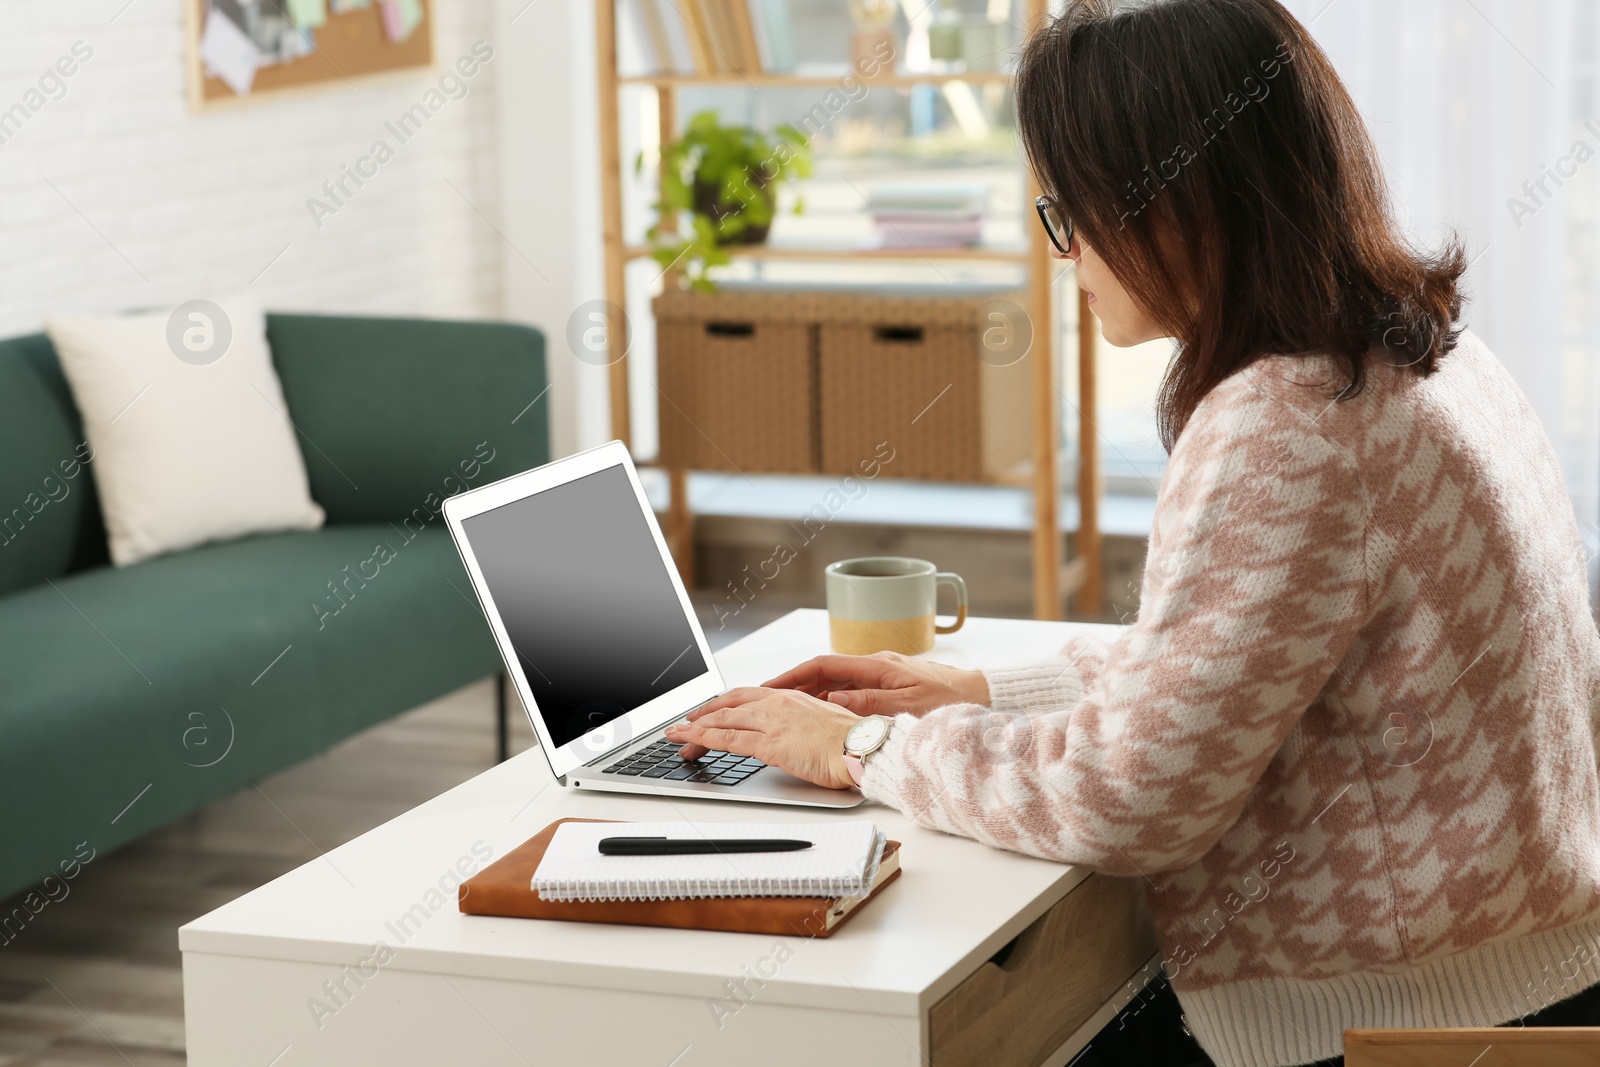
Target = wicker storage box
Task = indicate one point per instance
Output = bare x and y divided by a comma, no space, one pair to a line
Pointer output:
804,380
945,380
738,379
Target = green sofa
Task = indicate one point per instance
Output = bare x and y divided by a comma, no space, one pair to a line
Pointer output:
132,696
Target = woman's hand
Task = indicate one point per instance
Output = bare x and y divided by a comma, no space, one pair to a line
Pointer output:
781,728
885,683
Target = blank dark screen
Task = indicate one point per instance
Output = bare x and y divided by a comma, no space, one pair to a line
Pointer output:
586,600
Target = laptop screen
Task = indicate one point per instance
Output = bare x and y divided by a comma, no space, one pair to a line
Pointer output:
586,601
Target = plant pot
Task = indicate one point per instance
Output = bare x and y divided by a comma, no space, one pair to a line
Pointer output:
705,203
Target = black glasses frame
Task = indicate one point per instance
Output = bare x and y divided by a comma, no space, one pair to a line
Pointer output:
1055,222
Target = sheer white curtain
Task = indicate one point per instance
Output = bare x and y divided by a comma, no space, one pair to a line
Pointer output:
1485,113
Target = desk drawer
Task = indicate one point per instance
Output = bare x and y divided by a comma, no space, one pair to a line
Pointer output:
1019,1007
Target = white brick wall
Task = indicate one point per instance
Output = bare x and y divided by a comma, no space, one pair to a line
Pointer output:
153,204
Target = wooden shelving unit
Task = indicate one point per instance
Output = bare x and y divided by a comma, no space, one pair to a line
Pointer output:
791,81
1053,579
997,255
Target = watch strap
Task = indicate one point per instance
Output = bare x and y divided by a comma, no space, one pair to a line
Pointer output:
857,769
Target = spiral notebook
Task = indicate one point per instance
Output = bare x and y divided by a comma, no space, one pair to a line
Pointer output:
841,862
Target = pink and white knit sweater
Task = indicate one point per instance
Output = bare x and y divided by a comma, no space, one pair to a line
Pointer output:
1349,743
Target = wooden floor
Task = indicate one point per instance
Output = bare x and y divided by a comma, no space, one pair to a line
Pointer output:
96,978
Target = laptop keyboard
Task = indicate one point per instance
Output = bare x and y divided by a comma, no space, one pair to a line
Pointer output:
661,760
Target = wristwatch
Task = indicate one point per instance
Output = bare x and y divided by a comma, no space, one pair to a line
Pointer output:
864,738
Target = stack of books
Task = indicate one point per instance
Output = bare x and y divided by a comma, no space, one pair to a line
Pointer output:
927,216
706,36
564,873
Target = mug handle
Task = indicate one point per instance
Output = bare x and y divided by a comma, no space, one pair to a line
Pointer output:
956,582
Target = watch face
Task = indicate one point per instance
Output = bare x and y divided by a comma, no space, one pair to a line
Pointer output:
866,735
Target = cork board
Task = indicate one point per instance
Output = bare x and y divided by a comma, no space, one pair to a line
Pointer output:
348,47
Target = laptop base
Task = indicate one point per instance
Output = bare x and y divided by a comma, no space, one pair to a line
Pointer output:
769,786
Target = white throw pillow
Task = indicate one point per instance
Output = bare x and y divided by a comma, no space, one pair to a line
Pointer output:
191,436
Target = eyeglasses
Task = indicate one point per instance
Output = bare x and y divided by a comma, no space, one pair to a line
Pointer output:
1056,224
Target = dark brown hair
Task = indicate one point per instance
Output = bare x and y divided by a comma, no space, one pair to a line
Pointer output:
1209,153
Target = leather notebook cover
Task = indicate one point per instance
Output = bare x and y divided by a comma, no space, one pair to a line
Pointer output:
504,888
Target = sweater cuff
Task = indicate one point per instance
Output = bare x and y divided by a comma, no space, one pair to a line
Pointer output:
1049,685
886,766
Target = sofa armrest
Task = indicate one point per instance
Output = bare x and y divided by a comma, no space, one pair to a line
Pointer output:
393,415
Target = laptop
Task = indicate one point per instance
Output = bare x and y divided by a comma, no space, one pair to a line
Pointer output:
598,634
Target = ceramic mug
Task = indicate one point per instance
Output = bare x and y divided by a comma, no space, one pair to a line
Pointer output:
887,603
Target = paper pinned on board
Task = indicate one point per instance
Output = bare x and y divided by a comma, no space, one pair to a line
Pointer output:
228,53
400,18
308,14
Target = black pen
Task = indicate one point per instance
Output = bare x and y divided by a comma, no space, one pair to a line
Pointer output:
674,846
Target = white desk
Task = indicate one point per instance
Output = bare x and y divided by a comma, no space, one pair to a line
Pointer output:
906,981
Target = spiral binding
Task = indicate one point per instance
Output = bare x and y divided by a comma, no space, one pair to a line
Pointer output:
567,890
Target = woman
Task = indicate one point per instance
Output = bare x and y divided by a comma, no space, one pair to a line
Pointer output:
1349,743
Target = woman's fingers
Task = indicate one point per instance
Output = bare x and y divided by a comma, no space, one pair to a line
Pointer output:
805,675
732,698
872,701
701,739
744,694
690,752
738,717
833,672
694,728
735,728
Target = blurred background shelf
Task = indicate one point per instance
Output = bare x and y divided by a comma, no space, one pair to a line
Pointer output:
801,252
946,128
818,80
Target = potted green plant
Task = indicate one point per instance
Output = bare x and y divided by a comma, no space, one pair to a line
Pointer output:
726,177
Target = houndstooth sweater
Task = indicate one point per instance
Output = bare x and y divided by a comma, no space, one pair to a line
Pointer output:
1348,744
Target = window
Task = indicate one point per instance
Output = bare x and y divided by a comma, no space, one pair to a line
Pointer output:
1486,117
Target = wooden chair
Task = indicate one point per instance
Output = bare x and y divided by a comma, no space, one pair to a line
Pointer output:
1486,1046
